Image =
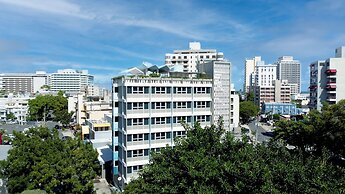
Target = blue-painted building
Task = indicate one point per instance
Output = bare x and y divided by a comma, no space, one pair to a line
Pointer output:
282,109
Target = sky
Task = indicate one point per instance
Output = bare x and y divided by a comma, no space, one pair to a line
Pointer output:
109,36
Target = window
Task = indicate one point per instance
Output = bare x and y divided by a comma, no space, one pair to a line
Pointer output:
137,121
179,133
160,135
129,154
201,118
161,90
137,90
138,137
200,90
202,104
180,90
129,170
138,153
129,138
160,105
180,105
160,120
137,105
146,152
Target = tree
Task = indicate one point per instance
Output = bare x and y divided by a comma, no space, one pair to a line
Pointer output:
40,160
10,117
44,104
318,130
250,96
209,160
248,109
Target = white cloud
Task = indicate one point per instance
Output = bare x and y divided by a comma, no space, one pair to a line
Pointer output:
60,7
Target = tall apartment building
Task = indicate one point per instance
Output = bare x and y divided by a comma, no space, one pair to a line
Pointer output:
327,80
290,70
147,112
22,82
249,70
190,58
70,81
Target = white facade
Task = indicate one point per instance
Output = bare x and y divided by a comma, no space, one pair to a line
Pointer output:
70,81
23,82
84,109
290,70
147,113
250,65
327,80
234,108
16,104
192,57
220,72
265,75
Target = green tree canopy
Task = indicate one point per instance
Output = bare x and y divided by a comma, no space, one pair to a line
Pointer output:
319,130
248,109
10,117
40,160
211,161
44,104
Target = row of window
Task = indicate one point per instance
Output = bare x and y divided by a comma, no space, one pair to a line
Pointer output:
167,105
154,136
167,120
166,90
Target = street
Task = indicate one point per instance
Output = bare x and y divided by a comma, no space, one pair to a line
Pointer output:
260,136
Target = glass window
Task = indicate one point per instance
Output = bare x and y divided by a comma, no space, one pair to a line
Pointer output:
146,152
129,138
138,153
129,170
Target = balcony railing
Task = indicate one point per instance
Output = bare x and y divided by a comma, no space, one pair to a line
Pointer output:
331,72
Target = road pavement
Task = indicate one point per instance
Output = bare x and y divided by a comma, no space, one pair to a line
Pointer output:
261,130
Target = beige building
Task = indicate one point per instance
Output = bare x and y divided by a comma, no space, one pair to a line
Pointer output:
250,66
280,91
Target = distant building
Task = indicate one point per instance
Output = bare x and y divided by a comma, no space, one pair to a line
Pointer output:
88,108
327,80
190,58
290,70
249,70
16,104
303,98
282,109
22,82
70,81
267,87
278,92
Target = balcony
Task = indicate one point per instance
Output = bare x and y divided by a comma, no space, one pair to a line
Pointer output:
331,87
331,72
312,87
331,98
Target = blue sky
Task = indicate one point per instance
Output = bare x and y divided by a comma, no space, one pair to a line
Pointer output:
107,37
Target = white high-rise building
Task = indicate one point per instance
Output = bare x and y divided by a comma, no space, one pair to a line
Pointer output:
23,82
147,112
190,58
250,65
70,81
327,80
290,70
267,88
